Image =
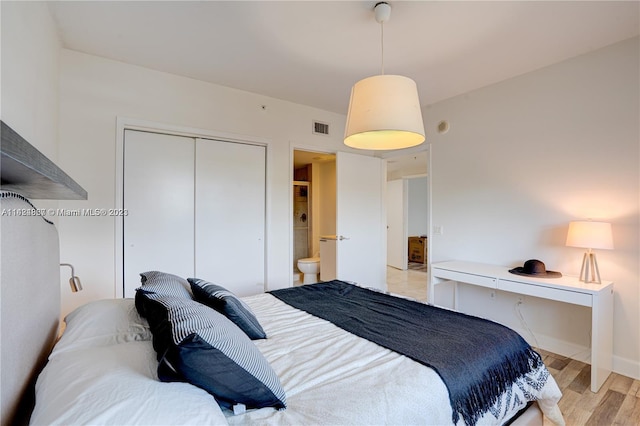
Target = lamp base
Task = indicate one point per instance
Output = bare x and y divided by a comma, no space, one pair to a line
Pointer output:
590,272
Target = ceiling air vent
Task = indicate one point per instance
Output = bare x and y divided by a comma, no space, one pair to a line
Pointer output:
320,128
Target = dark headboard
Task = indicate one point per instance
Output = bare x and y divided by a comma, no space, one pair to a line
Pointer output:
30,302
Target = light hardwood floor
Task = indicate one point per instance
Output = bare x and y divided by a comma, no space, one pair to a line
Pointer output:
616,403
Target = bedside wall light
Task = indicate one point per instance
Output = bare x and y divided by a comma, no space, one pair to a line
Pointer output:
74,281
590,235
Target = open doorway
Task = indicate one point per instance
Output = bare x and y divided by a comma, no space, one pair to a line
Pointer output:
351,222
314,211
408,220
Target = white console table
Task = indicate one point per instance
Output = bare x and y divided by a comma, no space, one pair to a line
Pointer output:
599,297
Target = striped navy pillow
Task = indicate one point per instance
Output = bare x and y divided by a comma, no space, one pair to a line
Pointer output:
207,350
227,303
166,284
161,283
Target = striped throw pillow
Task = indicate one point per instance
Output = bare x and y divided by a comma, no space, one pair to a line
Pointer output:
227,303
199,345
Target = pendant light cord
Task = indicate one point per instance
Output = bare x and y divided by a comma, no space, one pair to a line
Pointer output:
382,47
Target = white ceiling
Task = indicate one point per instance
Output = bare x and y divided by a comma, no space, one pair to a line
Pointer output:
312,52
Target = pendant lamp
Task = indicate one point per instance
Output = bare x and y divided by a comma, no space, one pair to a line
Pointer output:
384,110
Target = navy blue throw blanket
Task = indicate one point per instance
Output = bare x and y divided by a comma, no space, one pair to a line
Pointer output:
477,359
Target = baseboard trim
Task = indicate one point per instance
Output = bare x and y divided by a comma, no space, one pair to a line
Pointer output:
626,367
623,366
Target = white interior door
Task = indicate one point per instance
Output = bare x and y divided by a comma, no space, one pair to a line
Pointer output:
397,202
158,195
360,220
230,215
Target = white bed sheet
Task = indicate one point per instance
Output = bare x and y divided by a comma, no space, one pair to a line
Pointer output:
332,377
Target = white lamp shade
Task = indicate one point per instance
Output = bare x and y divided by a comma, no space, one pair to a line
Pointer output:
591,235
384,113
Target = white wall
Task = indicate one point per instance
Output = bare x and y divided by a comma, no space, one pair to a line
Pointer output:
418,213
522,159
94,91
30,82
30,51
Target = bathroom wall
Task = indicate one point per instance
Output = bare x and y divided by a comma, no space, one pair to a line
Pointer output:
327,200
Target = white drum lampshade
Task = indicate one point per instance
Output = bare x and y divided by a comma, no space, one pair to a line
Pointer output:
384,113
590,235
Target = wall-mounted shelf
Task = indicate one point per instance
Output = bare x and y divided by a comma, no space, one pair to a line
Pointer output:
27,171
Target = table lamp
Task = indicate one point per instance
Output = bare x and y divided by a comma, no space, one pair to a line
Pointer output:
590,235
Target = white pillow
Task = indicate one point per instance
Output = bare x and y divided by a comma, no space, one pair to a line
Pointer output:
102,323
117,385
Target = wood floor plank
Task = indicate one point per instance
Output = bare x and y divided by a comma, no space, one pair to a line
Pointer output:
607,410
582,381
635,388
590,400
578,417
621,384
567,374
629,412
559,363
568,403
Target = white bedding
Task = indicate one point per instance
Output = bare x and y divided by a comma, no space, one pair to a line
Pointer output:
330,377
333,377
103,372
117,385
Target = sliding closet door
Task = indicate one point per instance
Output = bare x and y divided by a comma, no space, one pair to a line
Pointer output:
230,215
159,198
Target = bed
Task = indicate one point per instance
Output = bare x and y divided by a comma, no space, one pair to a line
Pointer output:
114,365
105,370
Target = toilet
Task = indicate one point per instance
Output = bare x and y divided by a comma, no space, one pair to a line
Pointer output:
310,267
